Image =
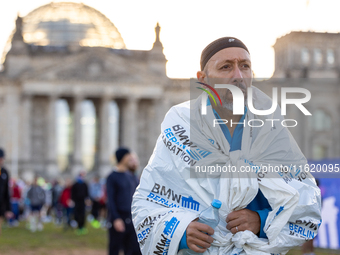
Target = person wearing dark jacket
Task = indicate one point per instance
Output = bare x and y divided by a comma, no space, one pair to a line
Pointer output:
79,193
37,198
5,206
121,185
56,206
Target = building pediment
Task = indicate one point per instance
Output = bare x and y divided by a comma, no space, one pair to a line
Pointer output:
94,65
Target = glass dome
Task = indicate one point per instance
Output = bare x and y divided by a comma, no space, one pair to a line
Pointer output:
64,23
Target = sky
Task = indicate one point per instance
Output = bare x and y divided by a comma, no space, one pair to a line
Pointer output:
188,26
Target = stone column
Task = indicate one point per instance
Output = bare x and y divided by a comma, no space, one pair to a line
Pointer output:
52,168
159,115
337,133
11,137
25,131
130,121
154,123
104,148
76,160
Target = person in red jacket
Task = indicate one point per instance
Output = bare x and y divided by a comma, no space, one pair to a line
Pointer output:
67,203
15,202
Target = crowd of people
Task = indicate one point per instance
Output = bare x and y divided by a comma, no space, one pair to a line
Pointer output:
103,202
65,202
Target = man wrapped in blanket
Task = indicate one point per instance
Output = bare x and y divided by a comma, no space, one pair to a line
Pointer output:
263,212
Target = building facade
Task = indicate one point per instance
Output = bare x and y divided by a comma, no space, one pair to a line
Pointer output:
48,63
311,60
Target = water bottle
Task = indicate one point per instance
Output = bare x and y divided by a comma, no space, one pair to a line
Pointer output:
210,217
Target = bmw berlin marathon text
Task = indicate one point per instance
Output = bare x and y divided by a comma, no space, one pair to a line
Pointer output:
238,104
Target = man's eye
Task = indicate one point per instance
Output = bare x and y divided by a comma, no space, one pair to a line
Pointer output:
245,66
225,66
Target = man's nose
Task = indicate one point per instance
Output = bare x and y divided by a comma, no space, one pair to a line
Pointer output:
237,74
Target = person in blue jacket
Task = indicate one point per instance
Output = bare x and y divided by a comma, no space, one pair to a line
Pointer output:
228,58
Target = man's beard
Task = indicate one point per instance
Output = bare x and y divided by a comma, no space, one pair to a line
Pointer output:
228,104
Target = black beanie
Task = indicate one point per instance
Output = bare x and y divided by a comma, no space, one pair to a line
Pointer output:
121,152
2,153
220,44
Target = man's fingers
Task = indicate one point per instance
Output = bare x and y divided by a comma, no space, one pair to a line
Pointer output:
234,215
197,234
196,249
202,236
121,229
233,223
199,242
244,220
204,228
239,228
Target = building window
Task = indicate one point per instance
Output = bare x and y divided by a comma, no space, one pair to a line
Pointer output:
330,56
63,134
319,152
320,121
317,56
304,56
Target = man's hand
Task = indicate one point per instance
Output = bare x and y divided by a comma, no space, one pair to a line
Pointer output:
9,215
70,203
196,235
244,220
88,202
119,225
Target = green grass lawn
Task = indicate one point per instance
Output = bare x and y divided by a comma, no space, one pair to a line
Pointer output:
297,251
54,238
51,238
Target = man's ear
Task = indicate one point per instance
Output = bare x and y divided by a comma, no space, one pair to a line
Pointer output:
201,76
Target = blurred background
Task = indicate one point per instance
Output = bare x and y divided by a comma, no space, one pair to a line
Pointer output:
79,79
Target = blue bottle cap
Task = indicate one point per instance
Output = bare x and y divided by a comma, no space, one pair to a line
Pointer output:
216,203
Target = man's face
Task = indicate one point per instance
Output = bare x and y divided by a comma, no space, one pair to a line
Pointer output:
82,174
134,162
228,66
126,160
68,182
